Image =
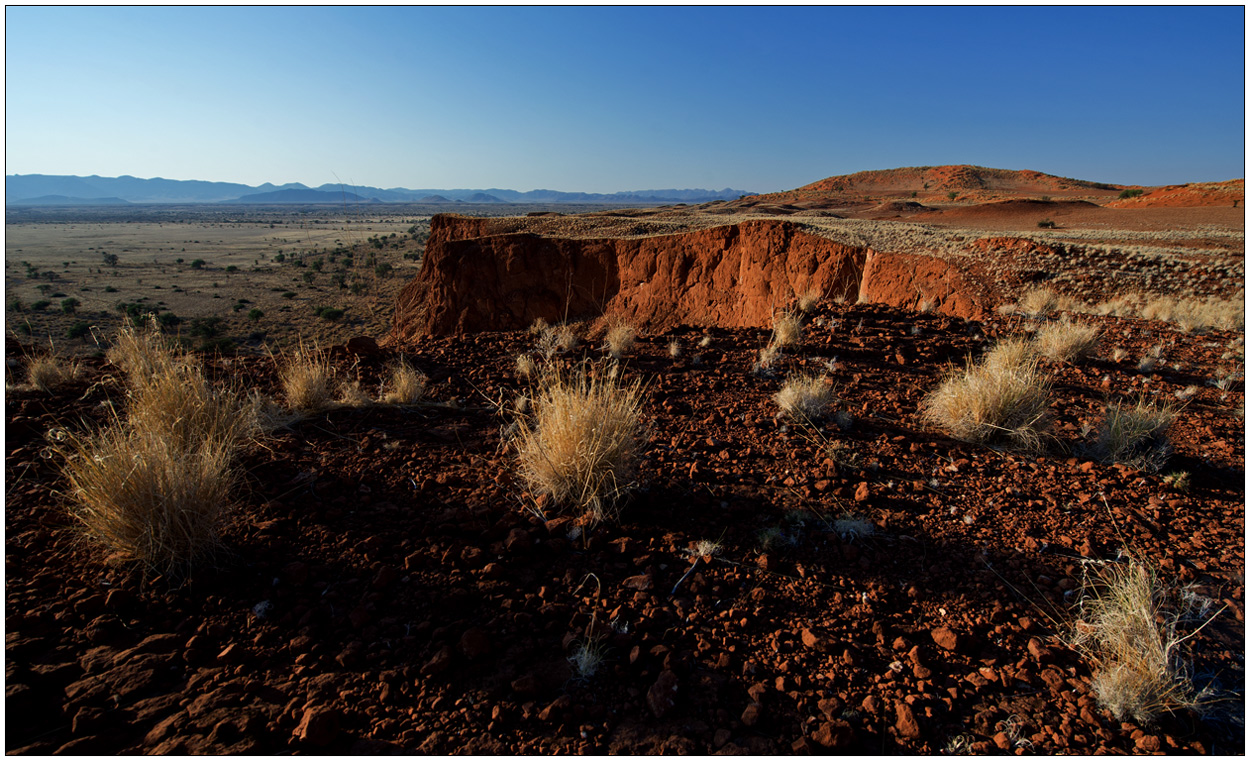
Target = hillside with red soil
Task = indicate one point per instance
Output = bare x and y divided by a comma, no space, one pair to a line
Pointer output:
1230,193
863,194
947,178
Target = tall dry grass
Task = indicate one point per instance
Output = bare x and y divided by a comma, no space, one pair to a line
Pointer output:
620,339
1064,341
307,378
47,371
787,329
581,445
1125,627
1038,302
406,384
154,486
1136,434
1002,401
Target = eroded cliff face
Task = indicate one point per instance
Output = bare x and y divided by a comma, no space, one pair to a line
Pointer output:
732,276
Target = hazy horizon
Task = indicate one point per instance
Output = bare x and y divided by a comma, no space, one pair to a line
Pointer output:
604,100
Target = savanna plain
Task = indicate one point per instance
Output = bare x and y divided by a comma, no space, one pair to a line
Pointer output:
936,460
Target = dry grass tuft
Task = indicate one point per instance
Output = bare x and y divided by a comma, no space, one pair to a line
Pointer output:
526,367
553,339
1066,341
148,501
1003,401
48,371
1039,302
407,384
153,488
674,348
810,299
620,339
307,379
581,445
1136,435
805,398
1125,628
182,408
144,353
787,329
587,657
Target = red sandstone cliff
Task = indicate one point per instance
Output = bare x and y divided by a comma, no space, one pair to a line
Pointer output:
731,276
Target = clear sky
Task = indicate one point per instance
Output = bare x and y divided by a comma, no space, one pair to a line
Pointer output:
610,99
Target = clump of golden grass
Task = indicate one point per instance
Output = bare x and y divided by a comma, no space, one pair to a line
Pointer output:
1038,302
307,379
674,348
182,408
810,299
148,501
143,354
406,385
1191,315
787,329
620,339
804,398
1127,631
153,487
1136,434
46,371
581,445
1003,401
1066,341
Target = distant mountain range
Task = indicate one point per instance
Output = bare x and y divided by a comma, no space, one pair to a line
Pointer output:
63,190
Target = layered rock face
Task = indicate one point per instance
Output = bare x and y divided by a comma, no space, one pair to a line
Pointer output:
732,276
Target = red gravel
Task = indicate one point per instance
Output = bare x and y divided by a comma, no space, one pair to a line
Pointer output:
387,591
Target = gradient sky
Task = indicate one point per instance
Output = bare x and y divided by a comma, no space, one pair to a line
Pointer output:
610,99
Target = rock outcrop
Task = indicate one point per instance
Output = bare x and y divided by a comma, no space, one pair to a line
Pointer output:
731,276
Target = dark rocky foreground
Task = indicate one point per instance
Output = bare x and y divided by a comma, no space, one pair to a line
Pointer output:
386,589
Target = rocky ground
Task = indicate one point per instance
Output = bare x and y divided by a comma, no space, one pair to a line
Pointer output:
390,586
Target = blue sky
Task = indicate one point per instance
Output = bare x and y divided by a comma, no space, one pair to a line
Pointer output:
608,99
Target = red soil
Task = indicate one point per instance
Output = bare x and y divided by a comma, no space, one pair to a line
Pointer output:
947,178
859,192
386,590
1230,193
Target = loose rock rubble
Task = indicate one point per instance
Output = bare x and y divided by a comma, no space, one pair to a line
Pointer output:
391,587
